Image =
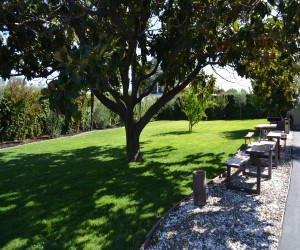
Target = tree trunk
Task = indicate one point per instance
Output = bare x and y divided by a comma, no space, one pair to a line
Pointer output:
190,126
133,142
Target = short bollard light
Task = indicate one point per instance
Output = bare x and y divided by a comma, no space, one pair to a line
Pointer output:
199,187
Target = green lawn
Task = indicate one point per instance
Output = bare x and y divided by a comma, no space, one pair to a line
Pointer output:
79,192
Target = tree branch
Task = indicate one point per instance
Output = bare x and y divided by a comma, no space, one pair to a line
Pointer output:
166,97
88,10
117,108
181,46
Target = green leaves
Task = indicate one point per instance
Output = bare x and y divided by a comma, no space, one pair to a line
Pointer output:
236,25
62,56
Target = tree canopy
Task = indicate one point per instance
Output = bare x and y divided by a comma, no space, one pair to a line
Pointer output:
121,50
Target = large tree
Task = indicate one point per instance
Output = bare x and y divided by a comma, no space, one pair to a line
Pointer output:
121,50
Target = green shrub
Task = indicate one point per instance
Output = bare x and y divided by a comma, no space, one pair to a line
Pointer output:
103,117
251,110
143,106
53,122
78,120
5,118
25,110
172,111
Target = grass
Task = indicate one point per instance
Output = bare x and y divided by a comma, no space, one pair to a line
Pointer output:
79,192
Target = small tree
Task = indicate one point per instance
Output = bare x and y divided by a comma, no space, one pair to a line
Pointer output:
240,100
197,98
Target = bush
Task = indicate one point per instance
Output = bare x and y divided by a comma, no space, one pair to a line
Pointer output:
143,106
103,117
52,122
25,110
172,111
5,118
231,112
78,120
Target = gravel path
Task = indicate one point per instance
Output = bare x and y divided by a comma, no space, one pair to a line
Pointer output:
230,219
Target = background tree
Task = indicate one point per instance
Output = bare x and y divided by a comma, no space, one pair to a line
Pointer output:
231,91
197,98
221,100
257,104
115,48
240,100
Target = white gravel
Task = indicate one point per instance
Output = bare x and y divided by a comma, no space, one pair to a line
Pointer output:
230,219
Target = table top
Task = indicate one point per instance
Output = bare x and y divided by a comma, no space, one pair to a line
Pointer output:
263,142
274,134
266,126
259,149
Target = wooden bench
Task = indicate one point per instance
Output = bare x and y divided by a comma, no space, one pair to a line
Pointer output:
238,161
248,136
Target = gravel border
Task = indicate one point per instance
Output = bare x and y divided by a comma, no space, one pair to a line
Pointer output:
230,219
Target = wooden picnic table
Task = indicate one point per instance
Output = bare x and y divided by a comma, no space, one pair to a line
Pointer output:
255,153
264,129
273,145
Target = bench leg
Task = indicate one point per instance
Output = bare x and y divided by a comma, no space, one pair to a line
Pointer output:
270,164
258,175
228,176
276,156
278,147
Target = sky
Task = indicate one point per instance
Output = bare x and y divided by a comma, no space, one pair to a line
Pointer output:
227,78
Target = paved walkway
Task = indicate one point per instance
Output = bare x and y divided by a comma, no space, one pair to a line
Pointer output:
291,222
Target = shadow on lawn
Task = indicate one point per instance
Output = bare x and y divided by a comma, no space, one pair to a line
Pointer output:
78,199
174,133
237,134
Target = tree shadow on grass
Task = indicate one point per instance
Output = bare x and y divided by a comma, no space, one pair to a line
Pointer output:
173,133
89,197
238,134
